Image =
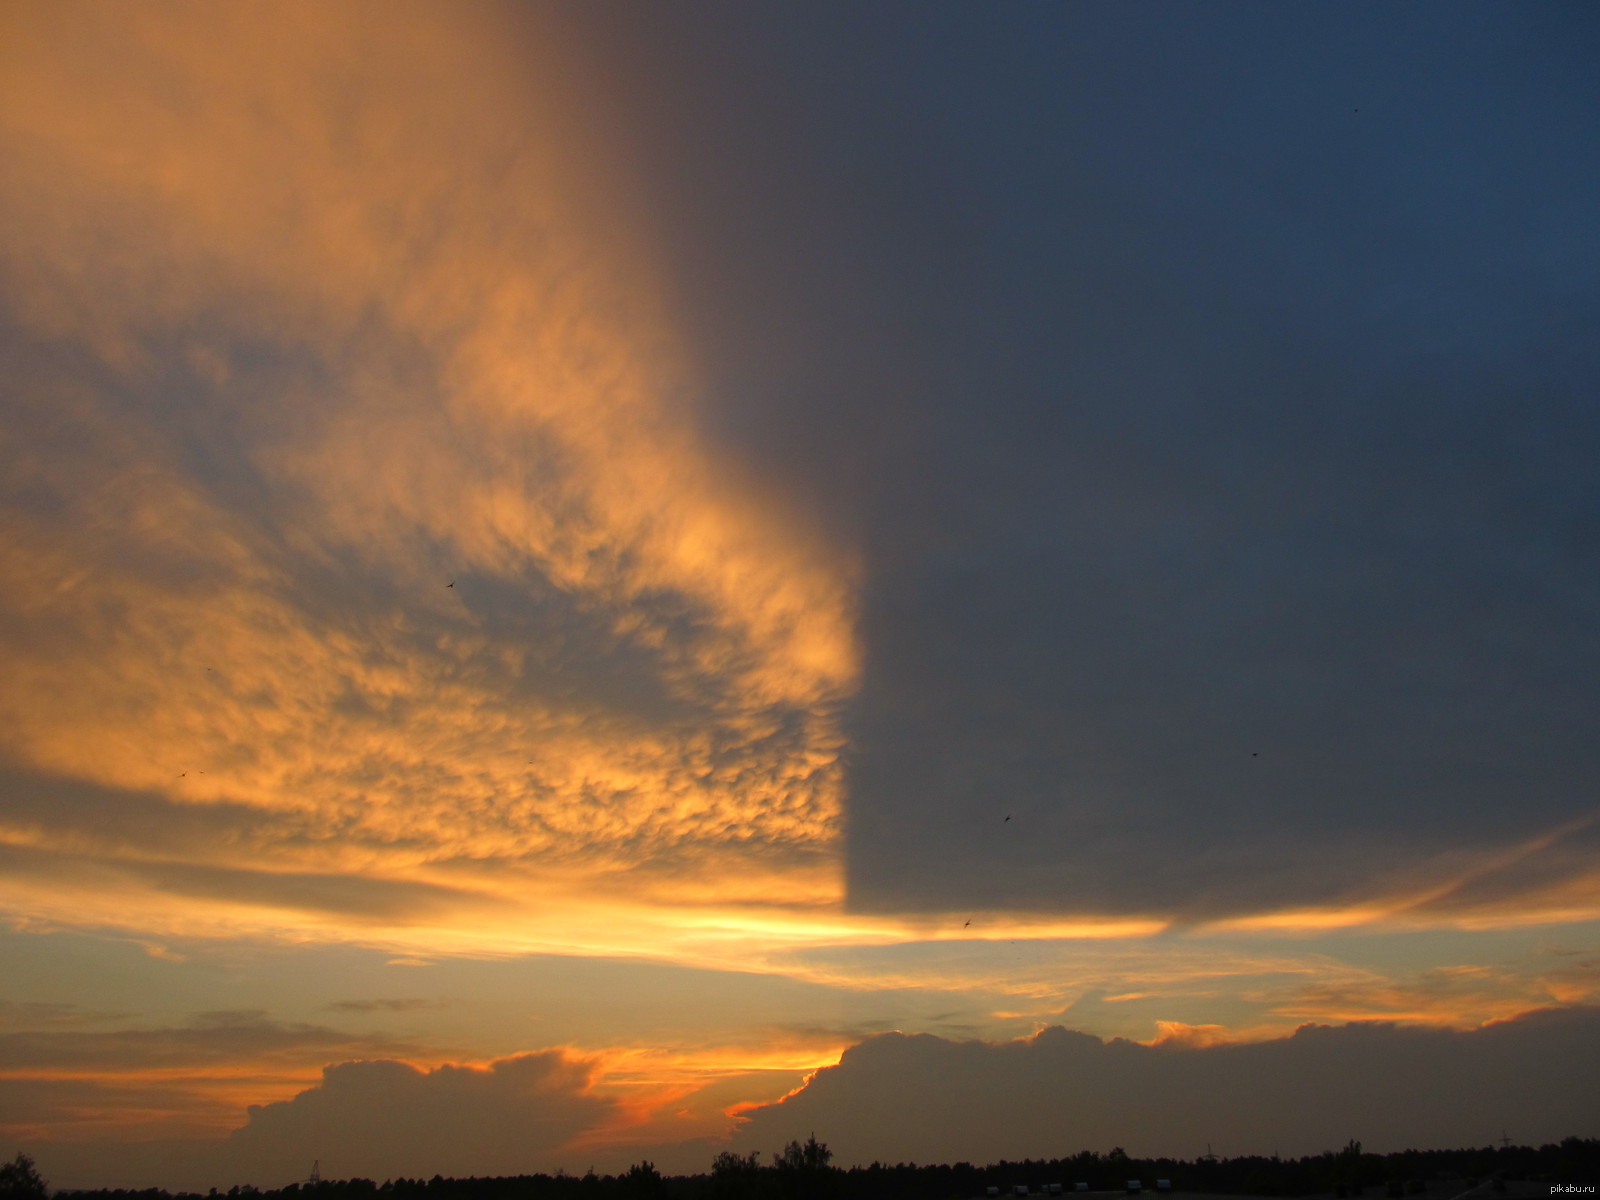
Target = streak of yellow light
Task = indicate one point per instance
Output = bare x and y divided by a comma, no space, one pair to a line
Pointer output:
1571,901
1302,920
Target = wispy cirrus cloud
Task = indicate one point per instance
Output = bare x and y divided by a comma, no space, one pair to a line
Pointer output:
393,1004
206,1039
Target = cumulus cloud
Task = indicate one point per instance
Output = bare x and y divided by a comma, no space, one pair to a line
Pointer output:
72,1079
382,1119
375,1117
922,1098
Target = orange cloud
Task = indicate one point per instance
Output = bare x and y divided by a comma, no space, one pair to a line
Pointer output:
385,1109
382,1119
1176,1033
1464,995
349,311
1545,879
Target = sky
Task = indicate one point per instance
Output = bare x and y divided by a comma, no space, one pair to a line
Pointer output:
582,583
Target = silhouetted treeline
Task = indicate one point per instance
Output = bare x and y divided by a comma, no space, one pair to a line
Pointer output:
804,1173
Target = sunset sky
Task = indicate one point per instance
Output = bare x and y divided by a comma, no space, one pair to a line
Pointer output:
564,566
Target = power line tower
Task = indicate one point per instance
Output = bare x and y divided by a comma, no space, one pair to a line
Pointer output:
316,1173
1505,1142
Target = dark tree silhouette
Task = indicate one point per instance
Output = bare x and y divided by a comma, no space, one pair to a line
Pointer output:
642,1182
19,1180
734,1177
803,1172
730,1164
814,1156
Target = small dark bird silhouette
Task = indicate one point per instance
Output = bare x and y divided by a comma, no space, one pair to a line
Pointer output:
1255,754
1008,817
452,583
968,923
181,774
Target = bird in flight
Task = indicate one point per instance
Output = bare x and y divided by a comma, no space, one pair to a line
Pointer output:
1008,817
968,923
452,583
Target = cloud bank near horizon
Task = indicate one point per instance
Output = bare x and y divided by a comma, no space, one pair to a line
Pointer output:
921,1098
913,1098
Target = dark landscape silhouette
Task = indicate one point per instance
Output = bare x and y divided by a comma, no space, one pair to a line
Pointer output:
804,1172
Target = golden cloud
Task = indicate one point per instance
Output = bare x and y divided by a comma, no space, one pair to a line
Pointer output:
333,309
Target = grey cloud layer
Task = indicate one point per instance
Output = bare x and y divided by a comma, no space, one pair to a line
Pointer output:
385,1119
924,1099
376,1118
1213,398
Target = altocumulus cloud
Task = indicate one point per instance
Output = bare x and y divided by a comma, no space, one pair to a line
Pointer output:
309,317
924,1099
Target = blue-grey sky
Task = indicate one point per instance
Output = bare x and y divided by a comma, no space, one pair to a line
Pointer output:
1211,393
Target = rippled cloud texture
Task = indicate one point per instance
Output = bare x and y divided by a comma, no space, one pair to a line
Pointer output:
358,530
